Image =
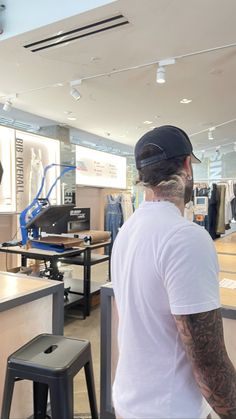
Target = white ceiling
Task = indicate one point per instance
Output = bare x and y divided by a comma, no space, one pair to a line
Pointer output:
117,105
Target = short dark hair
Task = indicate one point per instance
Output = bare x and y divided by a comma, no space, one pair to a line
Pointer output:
163,171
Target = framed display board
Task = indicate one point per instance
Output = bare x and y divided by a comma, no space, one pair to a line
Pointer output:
33,153
96,168
7,158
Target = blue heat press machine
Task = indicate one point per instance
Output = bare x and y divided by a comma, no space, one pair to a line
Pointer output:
39,213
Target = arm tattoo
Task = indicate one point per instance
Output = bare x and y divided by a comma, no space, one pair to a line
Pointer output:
203,339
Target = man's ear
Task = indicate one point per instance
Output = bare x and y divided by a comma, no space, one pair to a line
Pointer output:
188,166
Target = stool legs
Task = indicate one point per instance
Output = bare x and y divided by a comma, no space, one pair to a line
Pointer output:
62,400
54,372
91,389
7,395
40,400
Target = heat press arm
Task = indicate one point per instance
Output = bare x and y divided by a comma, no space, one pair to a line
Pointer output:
36,206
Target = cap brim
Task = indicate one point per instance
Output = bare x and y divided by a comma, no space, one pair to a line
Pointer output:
194,159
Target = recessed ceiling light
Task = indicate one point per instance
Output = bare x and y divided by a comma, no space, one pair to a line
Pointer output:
148,122
71,118
185,101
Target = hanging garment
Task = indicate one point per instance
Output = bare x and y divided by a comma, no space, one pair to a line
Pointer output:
228,198
126,206
36,174
113,215
233,203
203,191
212,211
220,224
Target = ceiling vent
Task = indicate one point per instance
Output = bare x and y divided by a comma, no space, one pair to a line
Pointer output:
81,32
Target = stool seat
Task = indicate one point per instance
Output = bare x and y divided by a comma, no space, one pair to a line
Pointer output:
51,362
50,354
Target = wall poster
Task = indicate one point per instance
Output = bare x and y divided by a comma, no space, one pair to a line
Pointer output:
96,168
33,153
7,158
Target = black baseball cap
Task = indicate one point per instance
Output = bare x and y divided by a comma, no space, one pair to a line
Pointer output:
169,141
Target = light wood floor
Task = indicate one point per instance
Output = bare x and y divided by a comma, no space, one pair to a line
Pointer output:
86,329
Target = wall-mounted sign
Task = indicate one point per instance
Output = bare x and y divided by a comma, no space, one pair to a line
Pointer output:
96,168
7,158
33,154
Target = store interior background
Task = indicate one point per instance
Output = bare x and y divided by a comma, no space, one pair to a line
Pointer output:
112,62
114,71
120,99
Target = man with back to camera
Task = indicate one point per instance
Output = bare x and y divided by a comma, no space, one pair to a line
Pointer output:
172,357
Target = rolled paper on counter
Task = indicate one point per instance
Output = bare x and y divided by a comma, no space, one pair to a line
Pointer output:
94,236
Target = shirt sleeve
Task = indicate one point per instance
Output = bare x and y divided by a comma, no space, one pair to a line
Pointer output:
190,270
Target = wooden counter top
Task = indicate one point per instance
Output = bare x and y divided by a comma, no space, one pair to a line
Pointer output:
228,296
226,244
18,289
14,286
230,238
225,247
226,251
28,306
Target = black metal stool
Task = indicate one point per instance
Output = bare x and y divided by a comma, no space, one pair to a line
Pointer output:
51,362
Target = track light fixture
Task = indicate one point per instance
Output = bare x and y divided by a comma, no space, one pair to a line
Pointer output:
7,105
210,133
74,91
161,75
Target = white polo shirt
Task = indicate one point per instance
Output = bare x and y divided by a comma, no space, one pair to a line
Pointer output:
162,264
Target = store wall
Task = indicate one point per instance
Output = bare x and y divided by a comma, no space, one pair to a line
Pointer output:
92,198
23,157
95,199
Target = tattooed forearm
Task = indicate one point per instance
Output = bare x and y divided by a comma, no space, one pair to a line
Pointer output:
202,336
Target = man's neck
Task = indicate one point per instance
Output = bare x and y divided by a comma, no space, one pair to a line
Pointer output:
178,202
